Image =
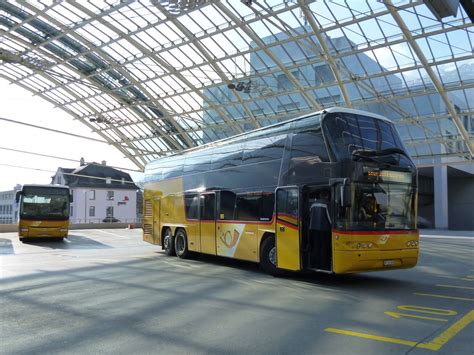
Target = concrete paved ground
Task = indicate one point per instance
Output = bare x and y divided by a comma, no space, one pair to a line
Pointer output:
106,291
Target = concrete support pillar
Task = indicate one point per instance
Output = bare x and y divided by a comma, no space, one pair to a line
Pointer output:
440,180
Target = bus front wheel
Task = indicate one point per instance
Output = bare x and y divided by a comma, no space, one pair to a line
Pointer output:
168,243
181,244
268,257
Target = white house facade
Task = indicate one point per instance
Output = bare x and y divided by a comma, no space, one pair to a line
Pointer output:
94,205
8,206
100,194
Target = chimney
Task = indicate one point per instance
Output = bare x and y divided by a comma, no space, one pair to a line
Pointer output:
82,162
104,162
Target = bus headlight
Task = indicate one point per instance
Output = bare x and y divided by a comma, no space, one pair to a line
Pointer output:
63,230
360,245
24,230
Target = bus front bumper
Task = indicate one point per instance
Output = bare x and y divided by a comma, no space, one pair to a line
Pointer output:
42,232
345,261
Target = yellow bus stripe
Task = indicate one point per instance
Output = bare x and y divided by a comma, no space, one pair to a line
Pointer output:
444,296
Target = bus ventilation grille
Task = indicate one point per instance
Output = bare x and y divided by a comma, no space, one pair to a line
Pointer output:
148,210
147,229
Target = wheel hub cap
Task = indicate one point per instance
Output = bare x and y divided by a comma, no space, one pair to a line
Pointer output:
272,256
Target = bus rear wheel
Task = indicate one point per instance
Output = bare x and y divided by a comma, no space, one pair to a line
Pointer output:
268,257
181,244
168,243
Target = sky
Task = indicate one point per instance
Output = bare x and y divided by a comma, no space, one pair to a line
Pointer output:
19,104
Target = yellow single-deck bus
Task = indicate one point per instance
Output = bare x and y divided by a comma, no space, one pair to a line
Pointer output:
249,197
44,211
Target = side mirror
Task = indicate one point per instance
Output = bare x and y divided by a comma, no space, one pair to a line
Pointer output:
71,198
345,193
17,196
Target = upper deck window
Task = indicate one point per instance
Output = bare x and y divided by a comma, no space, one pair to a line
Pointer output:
346,132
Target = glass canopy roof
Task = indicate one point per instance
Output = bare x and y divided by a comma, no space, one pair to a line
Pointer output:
157,77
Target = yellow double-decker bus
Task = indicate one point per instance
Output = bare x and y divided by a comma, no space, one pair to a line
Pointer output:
254,196
43,212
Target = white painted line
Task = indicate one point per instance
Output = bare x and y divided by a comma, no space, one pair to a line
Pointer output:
178,265
110,233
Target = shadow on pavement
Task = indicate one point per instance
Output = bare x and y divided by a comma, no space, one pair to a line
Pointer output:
71,242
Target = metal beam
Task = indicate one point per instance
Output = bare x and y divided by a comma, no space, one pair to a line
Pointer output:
434,79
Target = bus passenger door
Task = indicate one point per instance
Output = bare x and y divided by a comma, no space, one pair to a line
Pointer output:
207,207
287,228
156,222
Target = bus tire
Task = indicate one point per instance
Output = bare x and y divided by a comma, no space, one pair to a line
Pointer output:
168,242
181,244
268,257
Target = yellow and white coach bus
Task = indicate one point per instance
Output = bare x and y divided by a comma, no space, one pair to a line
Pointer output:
249,197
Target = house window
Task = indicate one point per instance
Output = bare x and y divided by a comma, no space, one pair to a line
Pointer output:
91,211
109,212
110,195
92,195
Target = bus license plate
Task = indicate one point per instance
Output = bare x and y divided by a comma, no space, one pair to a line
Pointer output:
388,262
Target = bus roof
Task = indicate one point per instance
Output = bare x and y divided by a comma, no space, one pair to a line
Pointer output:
229,139
354,111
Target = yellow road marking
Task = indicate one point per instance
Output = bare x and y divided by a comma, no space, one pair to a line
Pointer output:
399,315
449,333
434,345
454,286
444,296
372,337
429,310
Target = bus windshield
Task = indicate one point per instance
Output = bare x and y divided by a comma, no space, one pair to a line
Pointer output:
348,132
45,203
381,206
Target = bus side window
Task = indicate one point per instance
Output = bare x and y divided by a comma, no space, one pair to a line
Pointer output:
191,205
208,207
267,203
227,205
246,208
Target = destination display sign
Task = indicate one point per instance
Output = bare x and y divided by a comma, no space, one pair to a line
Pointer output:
389,176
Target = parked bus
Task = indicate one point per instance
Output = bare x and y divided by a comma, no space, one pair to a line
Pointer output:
249,197
44,211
